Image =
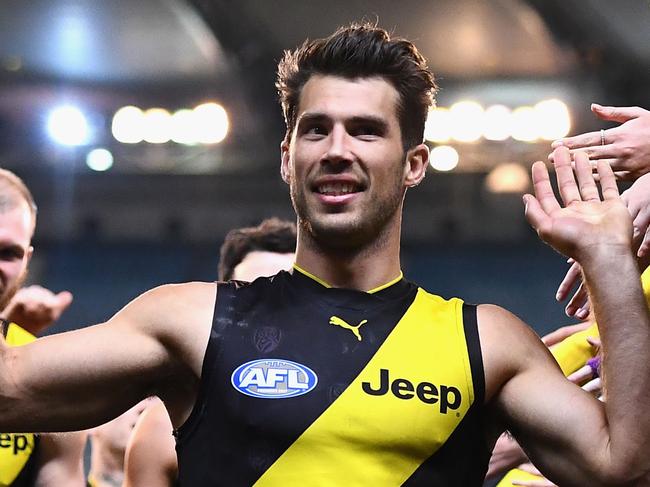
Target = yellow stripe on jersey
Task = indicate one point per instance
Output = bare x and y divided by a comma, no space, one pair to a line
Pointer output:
368,439
15,449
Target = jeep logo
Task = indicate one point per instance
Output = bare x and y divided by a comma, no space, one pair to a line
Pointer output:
449,397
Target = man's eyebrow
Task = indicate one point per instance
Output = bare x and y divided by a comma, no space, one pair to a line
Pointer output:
312,117
370,119
356,120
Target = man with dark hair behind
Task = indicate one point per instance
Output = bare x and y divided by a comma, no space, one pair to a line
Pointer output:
28,459
256,248
342,372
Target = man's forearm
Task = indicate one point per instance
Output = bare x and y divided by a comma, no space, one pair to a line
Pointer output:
624,323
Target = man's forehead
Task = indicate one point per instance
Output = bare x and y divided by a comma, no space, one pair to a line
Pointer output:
348,97
16,225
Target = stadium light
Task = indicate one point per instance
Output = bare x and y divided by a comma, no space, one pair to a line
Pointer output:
67,125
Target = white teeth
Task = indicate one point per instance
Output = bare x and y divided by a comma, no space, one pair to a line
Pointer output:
336,188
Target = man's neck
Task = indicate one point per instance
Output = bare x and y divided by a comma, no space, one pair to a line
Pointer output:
363,269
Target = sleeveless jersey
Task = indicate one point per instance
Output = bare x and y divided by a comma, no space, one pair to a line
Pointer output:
308,385
17,450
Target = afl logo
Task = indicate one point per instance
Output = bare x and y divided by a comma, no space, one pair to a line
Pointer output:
273,379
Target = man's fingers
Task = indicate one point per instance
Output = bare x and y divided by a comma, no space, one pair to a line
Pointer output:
565,178
581,375
586,183
543,189
563,332
594,386
530,468
615,114
578,306
644,248
573,275
535,214
64,299
607,181
578,141
594,342
534,483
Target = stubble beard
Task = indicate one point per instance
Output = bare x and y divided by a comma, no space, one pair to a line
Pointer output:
9,292
345,232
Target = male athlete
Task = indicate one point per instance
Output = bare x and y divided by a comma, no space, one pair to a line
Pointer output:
27,459
419,393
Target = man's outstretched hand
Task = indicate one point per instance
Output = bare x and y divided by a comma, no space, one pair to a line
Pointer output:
586,225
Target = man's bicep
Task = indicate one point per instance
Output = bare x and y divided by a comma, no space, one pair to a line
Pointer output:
561,427
78,379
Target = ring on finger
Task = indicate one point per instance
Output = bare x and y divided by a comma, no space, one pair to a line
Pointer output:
602,136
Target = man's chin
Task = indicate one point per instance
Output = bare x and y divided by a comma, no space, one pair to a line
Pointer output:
337,231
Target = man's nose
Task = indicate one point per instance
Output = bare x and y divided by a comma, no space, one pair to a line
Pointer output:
339,149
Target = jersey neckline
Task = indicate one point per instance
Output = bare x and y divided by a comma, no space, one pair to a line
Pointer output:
392,289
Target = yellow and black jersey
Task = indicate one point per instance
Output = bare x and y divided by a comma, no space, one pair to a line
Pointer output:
17,450
303,384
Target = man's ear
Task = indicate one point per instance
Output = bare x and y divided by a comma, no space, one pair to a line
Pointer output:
30,252
285,171
417,162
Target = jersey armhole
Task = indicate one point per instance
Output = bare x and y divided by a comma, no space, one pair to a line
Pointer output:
225,293
470,324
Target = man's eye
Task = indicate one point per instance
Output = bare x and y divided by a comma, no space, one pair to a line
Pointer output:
365,131
10,254
316,130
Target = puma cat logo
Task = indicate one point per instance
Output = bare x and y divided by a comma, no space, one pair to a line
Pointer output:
335,320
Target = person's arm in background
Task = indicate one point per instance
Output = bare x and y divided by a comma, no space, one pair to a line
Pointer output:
150,454
60,460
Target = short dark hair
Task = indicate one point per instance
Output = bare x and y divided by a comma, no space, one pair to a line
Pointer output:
362,50
12,190
272,235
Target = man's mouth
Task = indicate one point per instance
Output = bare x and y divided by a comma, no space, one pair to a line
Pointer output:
338,188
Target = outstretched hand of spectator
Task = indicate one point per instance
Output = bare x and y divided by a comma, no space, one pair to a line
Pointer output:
35,308
625,148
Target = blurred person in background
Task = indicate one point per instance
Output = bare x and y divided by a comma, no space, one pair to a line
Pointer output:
246,254
54,459
108,446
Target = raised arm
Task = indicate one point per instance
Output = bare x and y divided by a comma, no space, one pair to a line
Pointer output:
573,438
83,378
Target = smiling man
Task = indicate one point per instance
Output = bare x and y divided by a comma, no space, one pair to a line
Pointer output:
28,459
420,392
